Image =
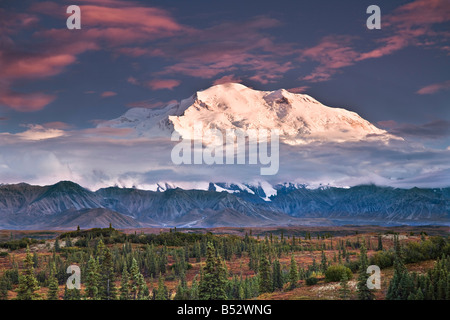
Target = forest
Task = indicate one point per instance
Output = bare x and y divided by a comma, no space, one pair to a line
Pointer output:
184,265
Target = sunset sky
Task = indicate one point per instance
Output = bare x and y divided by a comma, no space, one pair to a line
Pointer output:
57,83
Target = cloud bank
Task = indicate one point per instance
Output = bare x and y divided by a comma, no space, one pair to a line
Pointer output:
100,157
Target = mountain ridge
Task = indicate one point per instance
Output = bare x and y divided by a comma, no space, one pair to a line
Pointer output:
26,206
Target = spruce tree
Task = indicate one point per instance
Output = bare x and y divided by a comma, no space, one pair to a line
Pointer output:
107,287
71,294
364,293
380,243
4,284
53,288
135,279
293,274
401,285
143,288
28,285
194,291
277,276
213,282
344,291
57,245
182,292
265,277
92,280
125,285
419,295
162,290
324,262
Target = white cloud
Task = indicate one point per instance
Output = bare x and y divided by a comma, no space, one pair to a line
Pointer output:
38,132
98,159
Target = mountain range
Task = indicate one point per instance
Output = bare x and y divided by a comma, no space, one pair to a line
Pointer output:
300,120
67,205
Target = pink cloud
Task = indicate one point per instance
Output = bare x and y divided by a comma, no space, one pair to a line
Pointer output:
435,87
298,89
25,101
420,12
388,124
57,125
225,47
139,51
112,24
108,24
132,80
153,20
150,104
227,79
35,66
156,84
411,24
107,94
159,84
332,53
13,22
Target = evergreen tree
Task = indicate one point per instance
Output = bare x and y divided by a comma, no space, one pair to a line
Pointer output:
4,285
324,262
53,288
194,292
71,294
401,286
125,285
57,245
213,282
162,290
144,292
419,295
35,260
182,292
92,280
135,279
293,274
139,289
364,293
344,291
28,285
265,277
277,275
380,243
107,287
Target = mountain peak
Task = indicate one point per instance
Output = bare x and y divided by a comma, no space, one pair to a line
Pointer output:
67,185
299,118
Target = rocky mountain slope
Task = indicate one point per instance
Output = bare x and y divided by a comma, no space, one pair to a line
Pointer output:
67,204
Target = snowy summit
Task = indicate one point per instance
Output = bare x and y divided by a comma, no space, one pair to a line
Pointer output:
299,118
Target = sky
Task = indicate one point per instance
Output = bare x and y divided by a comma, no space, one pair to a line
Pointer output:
57,85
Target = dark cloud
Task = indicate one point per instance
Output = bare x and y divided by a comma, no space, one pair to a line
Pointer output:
432,130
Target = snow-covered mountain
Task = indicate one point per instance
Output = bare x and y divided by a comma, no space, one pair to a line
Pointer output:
299,118
67,204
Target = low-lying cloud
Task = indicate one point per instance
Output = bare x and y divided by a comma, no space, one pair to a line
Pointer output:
97,159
